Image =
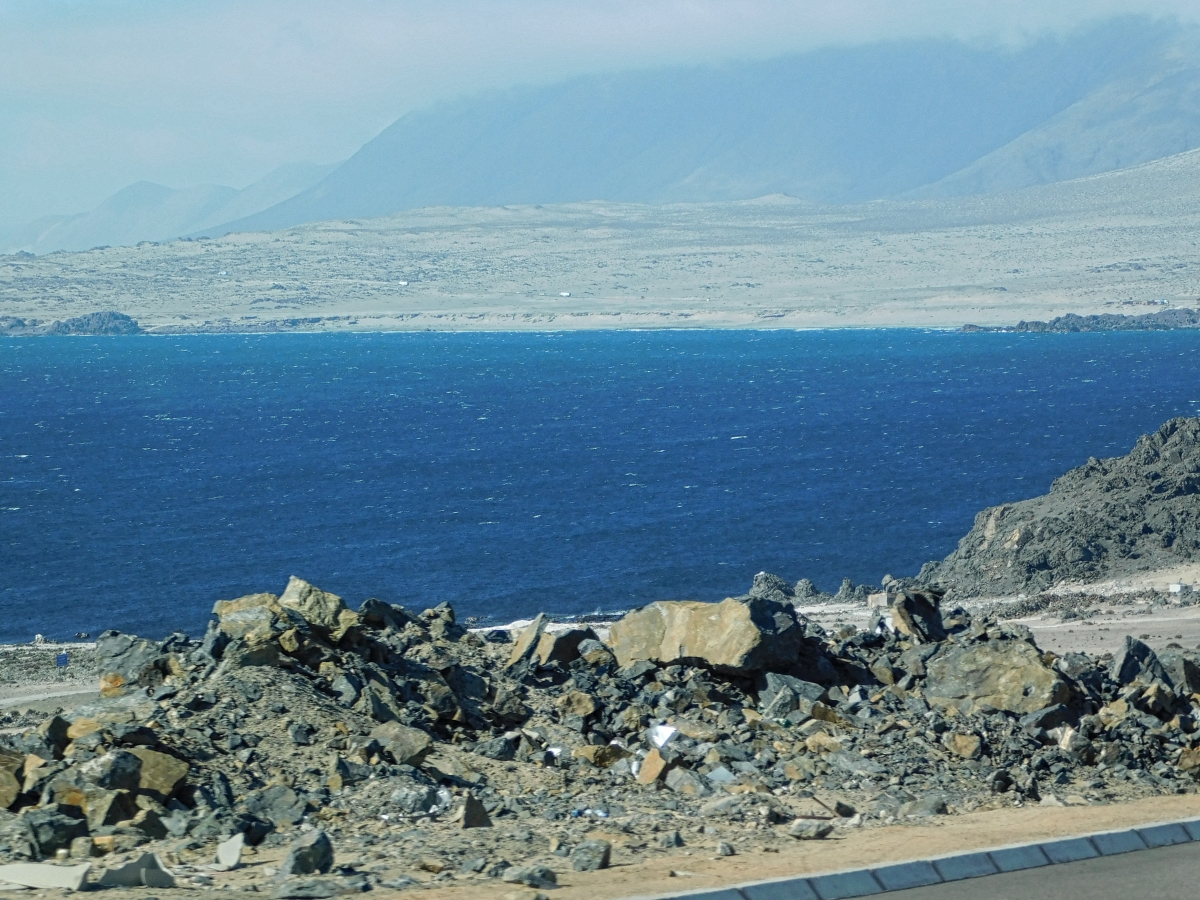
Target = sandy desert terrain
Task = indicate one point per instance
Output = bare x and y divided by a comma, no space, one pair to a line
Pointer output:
1109,243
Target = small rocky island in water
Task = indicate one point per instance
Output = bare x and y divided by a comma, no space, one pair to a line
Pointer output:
306,749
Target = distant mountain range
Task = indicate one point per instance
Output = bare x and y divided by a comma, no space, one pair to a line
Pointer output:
145,211
927,118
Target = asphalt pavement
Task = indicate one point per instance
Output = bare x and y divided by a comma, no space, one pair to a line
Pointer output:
1168,872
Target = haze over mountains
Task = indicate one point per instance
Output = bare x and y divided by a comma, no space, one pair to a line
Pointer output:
919,118
145,211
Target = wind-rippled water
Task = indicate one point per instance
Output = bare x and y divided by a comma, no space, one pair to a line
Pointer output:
142,478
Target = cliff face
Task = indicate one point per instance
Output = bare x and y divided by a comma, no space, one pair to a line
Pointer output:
1105,519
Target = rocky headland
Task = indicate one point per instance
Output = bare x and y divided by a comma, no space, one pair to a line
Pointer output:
302,748
97,323
1108,518
1163,320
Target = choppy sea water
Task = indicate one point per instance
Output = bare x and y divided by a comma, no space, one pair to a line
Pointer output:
143,478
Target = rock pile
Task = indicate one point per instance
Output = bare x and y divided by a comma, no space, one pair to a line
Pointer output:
1108,518
382,746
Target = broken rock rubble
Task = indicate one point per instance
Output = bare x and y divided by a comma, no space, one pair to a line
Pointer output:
415,751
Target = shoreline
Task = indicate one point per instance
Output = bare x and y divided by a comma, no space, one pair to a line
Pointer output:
568,328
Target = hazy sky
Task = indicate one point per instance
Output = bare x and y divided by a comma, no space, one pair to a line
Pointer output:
96,94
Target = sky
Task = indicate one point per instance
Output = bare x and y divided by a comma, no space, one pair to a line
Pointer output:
98,94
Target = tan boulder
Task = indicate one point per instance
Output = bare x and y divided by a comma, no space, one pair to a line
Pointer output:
653,768
578,703
81,728
698,731
11,764
408,746
968,746
253,618
736,636
602,756
820,742
318,607
528,640
1189,760
161,774
1002,675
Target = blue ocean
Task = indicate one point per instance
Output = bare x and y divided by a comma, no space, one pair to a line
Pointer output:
143,478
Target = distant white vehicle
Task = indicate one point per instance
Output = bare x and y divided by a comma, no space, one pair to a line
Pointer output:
403,284
565,294
222,272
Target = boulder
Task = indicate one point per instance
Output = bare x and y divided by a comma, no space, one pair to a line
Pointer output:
917,614
591,855
996,675
968,746
1135,661
772,587
652,768
160,774
318,607
1181,671
12,765
124,661
52,830
531,876
44,875
528,642
103,807
737,636
117,770
562,647
312,852
408,746
473,813
252,619
278,804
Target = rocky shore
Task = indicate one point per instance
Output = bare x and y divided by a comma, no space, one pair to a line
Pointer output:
1105,519
385,747
1163,320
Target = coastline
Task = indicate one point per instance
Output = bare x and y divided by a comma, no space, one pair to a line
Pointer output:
562,322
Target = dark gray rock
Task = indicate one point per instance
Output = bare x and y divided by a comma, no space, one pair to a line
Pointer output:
1135,661
772,587
591,855
1050,717
918,615
810,830
310,853
307,889
52,830
127,660
1108,518
501,748
278,804
1182,671
780,693
117,770
530,876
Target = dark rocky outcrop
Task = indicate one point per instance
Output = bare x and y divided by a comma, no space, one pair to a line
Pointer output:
97,323
1105,519
1163,320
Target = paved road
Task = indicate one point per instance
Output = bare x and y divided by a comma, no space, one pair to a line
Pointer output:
1170,872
